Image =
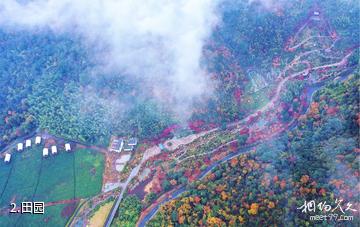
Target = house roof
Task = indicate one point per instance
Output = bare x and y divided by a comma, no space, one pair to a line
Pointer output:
117,144
37,140
45,151
27,143
20,146
53,149
67,147
7,157
133,141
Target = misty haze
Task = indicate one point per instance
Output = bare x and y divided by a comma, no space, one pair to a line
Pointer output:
179,113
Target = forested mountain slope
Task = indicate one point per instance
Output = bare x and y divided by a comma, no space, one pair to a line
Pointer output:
318,160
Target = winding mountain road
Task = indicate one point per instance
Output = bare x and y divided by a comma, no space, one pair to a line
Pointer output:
149,213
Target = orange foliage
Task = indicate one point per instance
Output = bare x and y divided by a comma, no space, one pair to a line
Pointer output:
224,196
211,176
220,188
241,219
314,109
253,209
271,205
214,221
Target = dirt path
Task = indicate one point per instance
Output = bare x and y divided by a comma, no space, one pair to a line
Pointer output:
66,201
306,40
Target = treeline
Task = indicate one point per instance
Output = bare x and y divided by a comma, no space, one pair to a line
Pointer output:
47,83
128,213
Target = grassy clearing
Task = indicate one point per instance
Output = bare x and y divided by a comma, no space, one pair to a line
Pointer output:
256,100
89,168
51,179
100,216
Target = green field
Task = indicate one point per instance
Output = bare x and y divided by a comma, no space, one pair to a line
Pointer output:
64,176
52,217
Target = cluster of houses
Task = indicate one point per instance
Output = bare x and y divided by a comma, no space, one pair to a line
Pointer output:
45,152
119,145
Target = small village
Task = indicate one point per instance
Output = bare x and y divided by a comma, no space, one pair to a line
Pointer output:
38,141
117,145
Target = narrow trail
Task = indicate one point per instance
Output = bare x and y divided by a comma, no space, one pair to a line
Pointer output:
66,201
306,40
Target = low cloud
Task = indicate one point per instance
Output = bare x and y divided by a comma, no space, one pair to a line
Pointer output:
157,41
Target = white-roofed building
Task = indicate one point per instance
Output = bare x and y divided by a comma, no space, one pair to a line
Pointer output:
117,145
132,142
7,158
38,140
67,147
20,146
28,143
53,149
45,152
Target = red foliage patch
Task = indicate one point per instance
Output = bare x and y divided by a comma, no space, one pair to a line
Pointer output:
166,133
196,126
252,119
332,110
244,131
